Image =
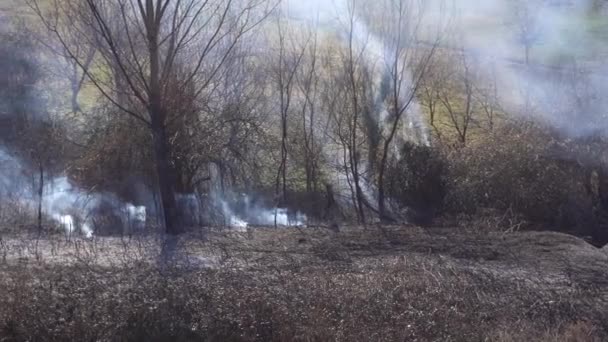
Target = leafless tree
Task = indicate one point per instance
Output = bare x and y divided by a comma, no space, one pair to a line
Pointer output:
525,19
405,69
354,65
429,97
144,41
68,69
308,84
486,95
288,65
336,102
457,99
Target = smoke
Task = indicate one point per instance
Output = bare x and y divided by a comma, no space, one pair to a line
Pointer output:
375,45
85,212
243,213
547,56
383,43
67,205
11,176
257,215
70,207
544,58
233,219
77,210
240,211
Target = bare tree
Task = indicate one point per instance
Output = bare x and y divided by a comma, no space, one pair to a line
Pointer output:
144,41
308,84
429,97
27,128
288,64
457,97
405,70
68,69
525,18
336,102
486,95
355,77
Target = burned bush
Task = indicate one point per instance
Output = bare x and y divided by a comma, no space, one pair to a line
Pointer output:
416,181
529,170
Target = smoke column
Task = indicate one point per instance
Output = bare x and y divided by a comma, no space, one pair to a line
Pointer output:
561,79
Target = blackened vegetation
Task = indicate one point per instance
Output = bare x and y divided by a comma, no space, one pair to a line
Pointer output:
540,178
406,284
417,181
26,128
548,181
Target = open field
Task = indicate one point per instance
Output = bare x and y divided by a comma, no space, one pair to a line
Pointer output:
397,283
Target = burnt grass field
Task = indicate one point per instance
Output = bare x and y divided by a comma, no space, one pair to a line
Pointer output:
401,283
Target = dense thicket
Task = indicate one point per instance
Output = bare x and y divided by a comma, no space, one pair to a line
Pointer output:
169,100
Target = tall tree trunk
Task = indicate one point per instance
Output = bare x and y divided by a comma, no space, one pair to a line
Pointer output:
158,116
165,177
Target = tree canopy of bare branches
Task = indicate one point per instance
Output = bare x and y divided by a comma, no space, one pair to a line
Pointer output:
142,45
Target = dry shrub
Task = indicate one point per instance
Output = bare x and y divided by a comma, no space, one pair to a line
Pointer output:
581,331
17,218
578,332
416,181
14,216
116,159
488,220
521,168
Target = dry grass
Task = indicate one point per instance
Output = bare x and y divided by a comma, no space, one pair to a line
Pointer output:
360,285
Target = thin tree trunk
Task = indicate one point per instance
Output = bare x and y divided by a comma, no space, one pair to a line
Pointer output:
40,195
284,159
381,196
354,160
359,191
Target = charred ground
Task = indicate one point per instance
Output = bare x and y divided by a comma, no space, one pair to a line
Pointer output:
391,283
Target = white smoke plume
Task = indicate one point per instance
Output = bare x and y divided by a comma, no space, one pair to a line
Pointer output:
240,211
242,215
376,47
547,55
71,208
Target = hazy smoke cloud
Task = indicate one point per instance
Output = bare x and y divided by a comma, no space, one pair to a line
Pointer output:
240,211
560,82
72,208
546,55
